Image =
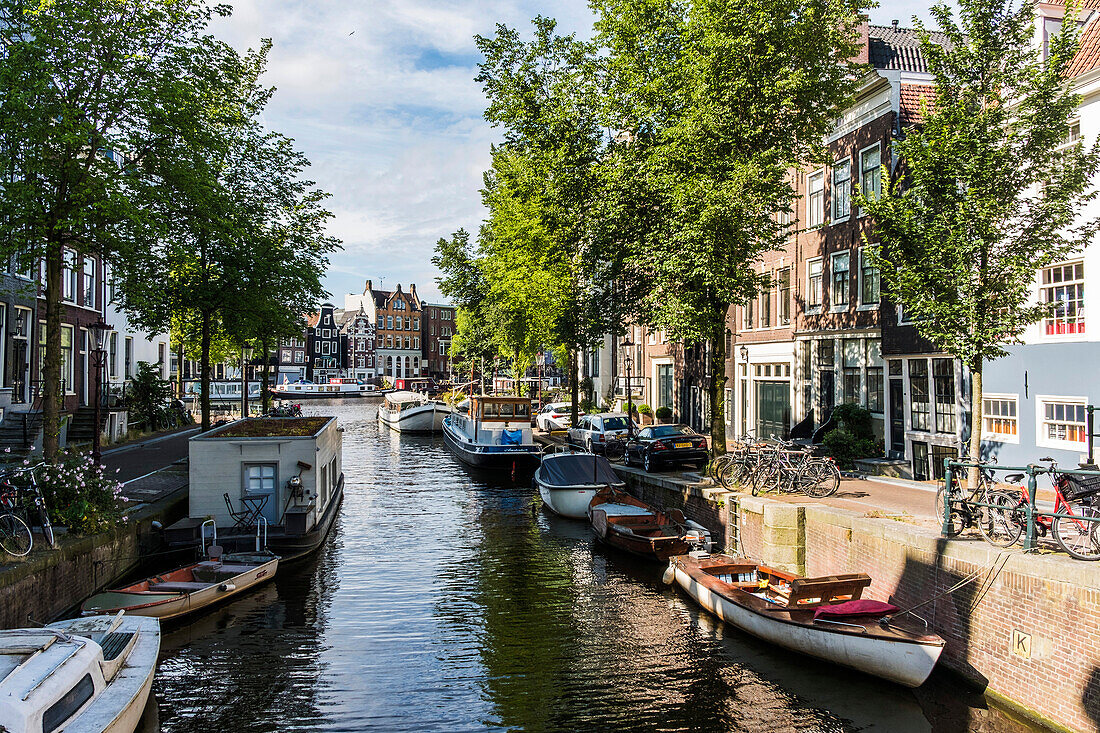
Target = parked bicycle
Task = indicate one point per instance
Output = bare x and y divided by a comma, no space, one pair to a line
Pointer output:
15,536
28,502
615,448
965,507
786,466
1075,499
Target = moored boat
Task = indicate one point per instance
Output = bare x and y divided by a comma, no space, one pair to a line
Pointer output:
187,589
568,481
820,617
331,389
412,412
629,524
494,433
84,675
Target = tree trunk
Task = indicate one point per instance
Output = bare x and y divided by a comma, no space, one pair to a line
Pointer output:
52,389
204,371
975,420
574,387
718,383
515,373
265,381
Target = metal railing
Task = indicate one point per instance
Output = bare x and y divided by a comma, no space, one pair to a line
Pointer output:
1032,511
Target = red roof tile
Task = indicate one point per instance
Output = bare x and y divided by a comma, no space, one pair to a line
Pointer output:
1088,54
912,95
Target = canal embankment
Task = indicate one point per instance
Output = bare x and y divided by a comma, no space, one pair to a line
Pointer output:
50,582
1025,627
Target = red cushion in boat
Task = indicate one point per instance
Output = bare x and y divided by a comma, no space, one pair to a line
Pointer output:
855,608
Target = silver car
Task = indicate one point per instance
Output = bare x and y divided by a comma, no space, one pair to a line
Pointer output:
593,431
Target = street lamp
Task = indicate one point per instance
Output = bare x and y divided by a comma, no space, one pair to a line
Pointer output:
628,361
744,353
246,356
99,330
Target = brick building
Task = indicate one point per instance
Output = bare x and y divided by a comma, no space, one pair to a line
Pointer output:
359,335
398,344
438,329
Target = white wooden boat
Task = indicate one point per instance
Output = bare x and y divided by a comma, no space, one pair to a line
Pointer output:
332,389
568,481
412,412
84,675
786,610
495,433
187,589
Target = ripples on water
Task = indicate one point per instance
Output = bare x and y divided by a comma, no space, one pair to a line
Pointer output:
441,602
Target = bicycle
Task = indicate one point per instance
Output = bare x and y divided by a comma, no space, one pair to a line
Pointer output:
1003,526
963,512
29,494
615,448
15,536
789,467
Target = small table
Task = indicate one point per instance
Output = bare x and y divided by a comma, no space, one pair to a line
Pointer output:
254,505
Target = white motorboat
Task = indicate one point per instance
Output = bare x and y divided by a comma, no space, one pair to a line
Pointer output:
333,388
494,433
412,412
568,481
820,617
84,675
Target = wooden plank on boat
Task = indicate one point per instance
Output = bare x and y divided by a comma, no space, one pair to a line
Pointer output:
25,641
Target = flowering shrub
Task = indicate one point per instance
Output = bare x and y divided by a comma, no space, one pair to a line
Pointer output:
79,494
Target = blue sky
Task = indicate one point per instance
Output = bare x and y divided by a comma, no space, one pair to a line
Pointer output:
381,97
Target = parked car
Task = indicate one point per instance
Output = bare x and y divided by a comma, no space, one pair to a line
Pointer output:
592,431
555,416
663,445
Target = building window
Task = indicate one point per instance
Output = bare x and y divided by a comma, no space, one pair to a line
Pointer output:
813,283
851,371
766,307
842,190
69,276
841,276
874,375
67,363
870,164
389,322
815,214
943,374
416,342
88,300
784,290
869,280
1062,422
999,420
664,385
746,310
1063,290
112,355
416,324
919,406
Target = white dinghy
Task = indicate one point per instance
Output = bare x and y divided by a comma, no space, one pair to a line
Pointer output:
84,675
412,412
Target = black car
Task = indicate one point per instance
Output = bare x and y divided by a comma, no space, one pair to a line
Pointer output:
663,445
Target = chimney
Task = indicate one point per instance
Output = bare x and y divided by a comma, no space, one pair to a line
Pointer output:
895,24
863,55
412,288
368,287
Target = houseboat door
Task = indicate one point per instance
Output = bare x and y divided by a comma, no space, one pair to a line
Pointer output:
260,480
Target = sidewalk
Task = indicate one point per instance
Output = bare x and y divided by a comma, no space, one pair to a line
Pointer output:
140,458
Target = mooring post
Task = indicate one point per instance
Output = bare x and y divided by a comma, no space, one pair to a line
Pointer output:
1029,540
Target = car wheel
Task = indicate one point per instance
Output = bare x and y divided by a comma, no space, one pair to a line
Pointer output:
647,463
588,444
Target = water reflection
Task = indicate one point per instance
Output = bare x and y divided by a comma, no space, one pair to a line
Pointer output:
441,602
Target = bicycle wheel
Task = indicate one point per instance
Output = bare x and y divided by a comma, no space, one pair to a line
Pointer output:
958,521
47,528
768,478
818,479
1000,525
15,535
614,451
1078,537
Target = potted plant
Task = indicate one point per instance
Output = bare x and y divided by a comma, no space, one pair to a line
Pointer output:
664,413
646,412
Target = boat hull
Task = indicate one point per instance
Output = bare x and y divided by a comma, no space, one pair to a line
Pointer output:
521,458
905,663
422,419
569,501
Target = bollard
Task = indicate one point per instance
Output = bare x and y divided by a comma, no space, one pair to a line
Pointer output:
948,477
1029,540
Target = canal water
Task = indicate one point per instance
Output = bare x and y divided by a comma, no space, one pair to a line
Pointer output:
442,602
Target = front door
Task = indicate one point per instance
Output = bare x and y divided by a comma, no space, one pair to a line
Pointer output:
897,417
260,488
773,410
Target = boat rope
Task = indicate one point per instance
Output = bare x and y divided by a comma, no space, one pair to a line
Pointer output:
990,574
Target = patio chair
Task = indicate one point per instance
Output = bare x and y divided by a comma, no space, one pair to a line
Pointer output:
240,517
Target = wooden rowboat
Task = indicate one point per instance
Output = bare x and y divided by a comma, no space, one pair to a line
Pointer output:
806,615
630,524
187,589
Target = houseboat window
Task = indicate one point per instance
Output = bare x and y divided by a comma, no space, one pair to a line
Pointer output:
259,478
56,715
506,410
523,410
489,409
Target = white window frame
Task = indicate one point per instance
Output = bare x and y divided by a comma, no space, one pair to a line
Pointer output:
999,437
833,189
878,146
1041,439
810,306
1081,319
810,199
860,305
833,306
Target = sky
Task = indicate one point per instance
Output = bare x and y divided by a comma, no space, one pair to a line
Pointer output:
380,96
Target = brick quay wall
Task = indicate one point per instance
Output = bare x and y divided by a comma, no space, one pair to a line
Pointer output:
1027,628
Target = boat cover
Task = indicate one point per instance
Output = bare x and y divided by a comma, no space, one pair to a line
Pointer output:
511,437
576,469
862,607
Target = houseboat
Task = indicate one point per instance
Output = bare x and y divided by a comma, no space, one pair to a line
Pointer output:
412,412
495,432
222,390
334,388
271,483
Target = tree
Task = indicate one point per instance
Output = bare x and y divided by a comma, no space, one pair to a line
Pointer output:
80,81
722,98
987,194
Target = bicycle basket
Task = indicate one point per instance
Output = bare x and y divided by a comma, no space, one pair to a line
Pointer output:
1080,487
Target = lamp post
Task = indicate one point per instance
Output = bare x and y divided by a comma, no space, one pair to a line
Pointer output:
99,331
246,356
628,361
